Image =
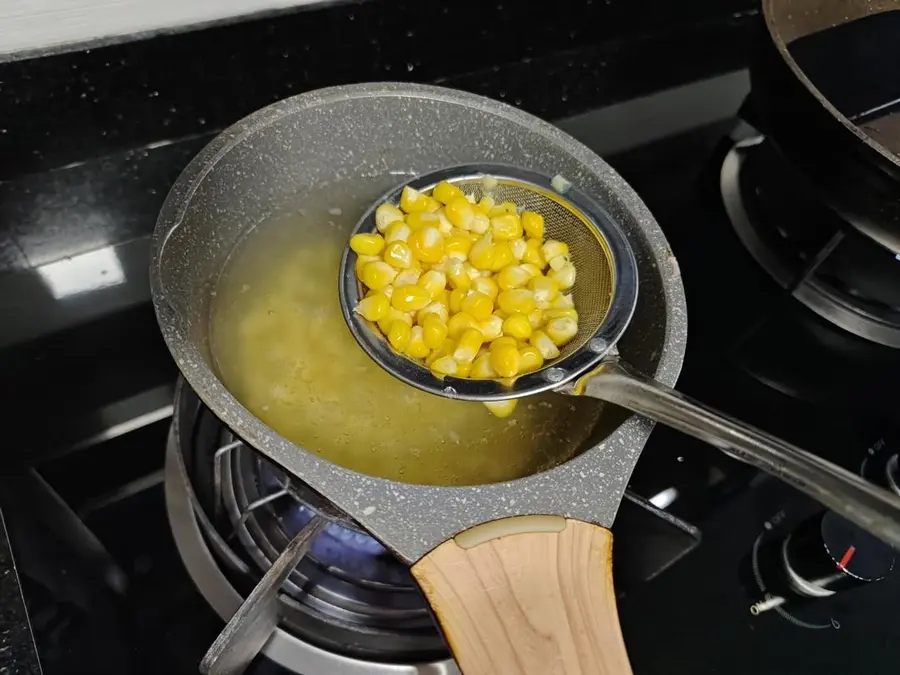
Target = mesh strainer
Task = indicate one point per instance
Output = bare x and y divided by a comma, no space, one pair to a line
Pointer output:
605,292
605,295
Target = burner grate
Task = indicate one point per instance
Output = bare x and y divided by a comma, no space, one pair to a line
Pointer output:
348,594
827,263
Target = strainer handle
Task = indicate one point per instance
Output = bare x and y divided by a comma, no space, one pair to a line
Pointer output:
872,508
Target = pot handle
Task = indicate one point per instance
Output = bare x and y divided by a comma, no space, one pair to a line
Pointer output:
527,595
872,508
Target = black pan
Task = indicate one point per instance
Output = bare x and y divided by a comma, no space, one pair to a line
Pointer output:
826,92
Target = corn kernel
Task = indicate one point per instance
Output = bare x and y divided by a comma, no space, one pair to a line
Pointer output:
564,276
410,298
438,308
481,255
506,227
467,347
387,214
446,349
478,305
433,281
501,408
505,359
553,248
505,207
505,340
361,260
533,254
397,231
542,342
408,276
559,262
460,212
432,205
384,325
563,302
488,286
561,330
427,244
459,323
435,331
503,256
518,246
387,290
480,224
458,276
567,313
398,254
420,219
485,204
377,274
533,224
536,318
458,246
445,227
398,335
517,326
445,365
482,368
374,307
544,289
412,200
463,369
516,300
530,359
456,298
445,192
491,328
416,347
367,244
532,269
512,276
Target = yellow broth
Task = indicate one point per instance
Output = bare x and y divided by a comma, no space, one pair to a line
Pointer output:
282,347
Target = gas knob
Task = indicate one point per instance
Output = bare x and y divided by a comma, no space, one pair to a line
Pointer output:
827,553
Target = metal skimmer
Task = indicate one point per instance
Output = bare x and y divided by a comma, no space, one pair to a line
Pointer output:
605,295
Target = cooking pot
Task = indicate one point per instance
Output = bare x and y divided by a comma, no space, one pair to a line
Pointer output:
823,70
362,133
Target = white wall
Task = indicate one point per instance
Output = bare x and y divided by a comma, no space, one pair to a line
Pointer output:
27,26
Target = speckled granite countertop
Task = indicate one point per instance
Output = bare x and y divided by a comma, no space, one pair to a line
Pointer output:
17,652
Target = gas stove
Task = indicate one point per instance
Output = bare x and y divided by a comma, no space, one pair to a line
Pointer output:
144,535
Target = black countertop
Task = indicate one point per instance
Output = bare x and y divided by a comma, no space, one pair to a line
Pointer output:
93,140
17,652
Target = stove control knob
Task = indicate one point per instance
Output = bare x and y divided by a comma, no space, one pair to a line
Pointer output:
827,554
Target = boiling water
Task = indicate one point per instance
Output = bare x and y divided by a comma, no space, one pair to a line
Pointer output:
282,347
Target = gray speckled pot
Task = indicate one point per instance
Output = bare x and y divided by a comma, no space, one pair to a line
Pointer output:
362,131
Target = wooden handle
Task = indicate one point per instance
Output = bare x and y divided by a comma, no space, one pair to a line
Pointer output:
531,595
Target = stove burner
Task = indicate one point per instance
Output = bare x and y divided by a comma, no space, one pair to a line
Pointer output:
342,546
347,596
842,272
